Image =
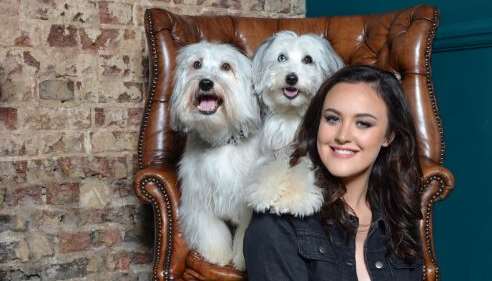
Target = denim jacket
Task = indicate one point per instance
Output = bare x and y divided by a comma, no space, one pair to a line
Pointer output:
284,248
286,241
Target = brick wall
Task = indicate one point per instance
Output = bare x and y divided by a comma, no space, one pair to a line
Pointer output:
73,78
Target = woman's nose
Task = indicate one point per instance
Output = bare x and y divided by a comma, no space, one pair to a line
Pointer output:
343,133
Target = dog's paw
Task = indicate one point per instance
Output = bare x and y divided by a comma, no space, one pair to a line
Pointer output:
239,262
281,189
218,253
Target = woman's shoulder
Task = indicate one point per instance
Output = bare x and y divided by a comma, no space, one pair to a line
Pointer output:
266,224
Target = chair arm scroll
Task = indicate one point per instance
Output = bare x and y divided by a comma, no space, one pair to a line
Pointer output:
158,187
437,183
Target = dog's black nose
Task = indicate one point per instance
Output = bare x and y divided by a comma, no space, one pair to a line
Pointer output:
291,79
206,84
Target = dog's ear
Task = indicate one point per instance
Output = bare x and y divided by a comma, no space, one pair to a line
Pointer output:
259,65
331,61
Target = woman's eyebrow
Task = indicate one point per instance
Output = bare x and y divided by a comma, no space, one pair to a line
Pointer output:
358,115
366,115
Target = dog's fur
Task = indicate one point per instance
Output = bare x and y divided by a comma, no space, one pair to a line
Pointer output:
286,81
283,114
220,148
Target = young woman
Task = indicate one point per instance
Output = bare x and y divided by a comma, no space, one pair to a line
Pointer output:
360,137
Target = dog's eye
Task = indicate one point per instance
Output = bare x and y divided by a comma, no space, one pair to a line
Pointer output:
281,58
307,60
225,66
197,64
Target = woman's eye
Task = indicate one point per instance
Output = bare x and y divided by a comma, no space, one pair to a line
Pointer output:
307,59
332,119
363,124
281,58
225,66
197,64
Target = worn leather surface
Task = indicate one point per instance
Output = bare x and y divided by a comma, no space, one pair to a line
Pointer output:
400,41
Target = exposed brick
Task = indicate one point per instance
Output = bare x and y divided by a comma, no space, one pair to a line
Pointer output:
30,273
74,242
17,90
9,8
40,245
62,271
25,195
7,251
111,117
121,92
12,145
64,142
62,36
45,118
51,221
121,262
107,141
106,237
103,39
115,13
227,4
30,60
135,116
141,258
12,172
6,222
3,191
8,35
63,194
83,12
59,90
256,5
8,118
94,193
278,6
39,9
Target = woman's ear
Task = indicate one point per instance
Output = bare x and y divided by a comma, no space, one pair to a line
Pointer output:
389,139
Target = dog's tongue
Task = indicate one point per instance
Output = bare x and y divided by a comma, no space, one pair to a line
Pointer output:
290,92
207,104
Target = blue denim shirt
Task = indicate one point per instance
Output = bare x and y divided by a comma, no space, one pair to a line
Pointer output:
284,248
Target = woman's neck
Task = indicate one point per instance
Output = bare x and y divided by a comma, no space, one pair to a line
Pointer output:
356,195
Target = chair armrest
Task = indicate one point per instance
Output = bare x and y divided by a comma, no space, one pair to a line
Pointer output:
434,173
437,183
158,187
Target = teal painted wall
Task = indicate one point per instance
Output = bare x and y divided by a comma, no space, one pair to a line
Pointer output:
462,75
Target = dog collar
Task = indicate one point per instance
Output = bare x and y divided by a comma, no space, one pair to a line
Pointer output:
236,139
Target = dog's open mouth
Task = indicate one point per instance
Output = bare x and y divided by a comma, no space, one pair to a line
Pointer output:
291,92
207,103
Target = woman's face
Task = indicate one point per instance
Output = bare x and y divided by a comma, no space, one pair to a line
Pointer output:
352,130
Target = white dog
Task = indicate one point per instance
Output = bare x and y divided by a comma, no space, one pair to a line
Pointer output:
213,102
288,70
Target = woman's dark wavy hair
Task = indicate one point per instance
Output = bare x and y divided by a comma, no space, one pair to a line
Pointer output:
395,177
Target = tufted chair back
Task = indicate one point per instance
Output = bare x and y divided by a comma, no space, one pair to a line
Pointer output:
399,41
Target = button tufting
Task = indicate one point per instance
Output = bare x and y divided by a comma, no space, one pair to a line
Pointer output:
379,264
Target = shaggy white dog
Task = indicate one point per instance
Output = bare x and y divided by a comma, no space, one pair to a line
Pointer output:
288,70
213,102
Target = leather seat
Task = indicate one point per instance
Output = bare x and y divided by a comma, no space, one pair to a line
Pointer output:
398,41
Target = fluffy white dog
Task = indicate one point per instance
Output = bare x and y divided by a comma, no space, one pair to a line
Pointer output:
288,70
213,102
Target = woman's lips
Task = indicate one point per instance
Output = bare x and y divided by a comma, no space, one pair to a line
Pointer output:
341,152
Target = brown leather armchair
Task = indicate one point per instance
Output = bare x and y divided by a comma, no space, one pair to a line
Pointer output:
399,41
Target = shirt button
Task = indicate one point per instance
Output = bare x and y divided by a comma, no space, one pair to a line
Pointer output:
379,264
322,250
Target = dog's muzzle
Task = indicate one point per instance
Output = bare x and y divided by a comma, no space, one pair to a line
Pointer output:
207,101
290,91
